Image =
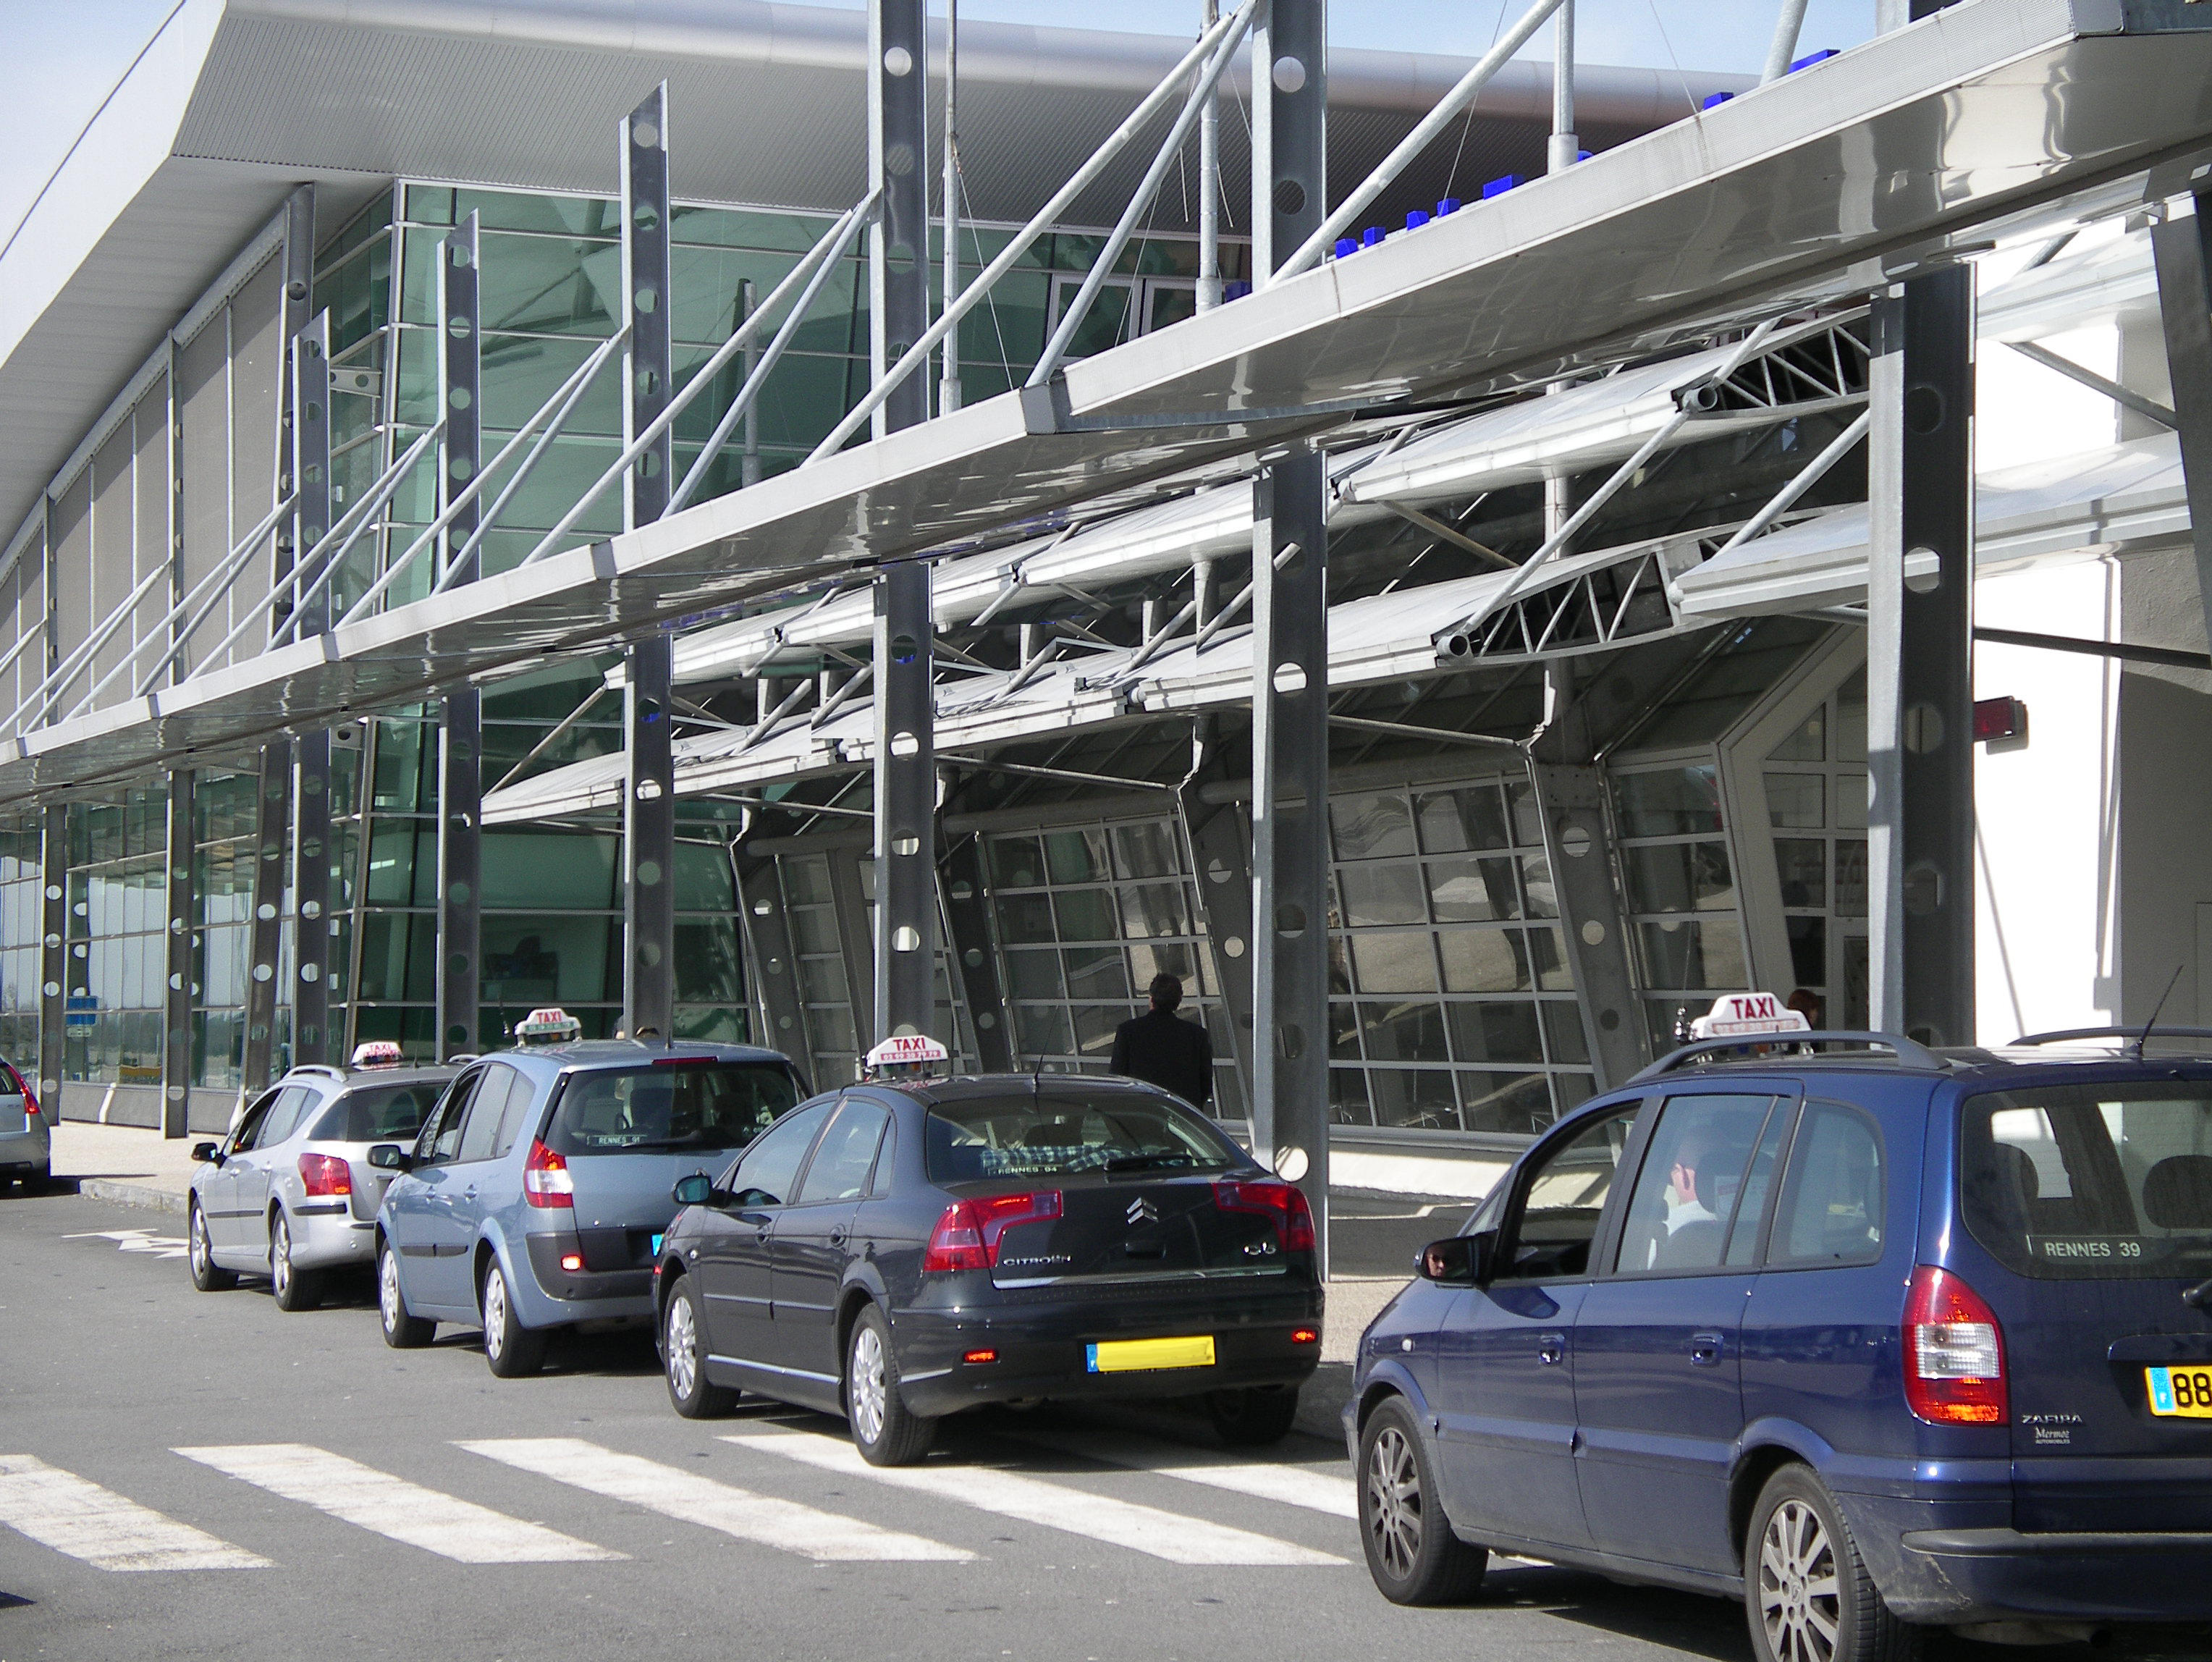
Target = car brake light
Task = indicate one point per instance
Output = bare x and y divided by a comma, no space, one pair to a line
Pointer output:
545,1180
30,1102
1305,1336
1955,1366
325,1174
978,1358
572,1262
967,1234
1271,1197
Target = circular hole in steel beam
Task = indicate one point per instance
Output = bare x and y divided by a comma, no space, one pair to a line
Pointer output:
1289,678
905,938
905,743
1289,76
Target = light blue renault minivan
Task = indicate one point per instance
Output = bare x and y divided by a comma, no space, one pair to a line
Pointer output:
537,1193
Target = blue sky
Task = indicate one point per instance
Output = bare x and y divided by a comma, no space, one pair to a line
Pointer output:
64,59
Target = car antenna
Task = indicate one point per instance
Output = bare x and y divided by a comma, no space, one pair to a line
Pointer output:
2143,1038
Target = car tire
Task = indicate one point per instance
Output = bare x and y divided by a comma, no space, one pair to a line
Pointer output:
1411,1553
295,1288
1798,1543
683,1361
513,1351
207,1275
401,1330
1254,1417
39,1181
886,1431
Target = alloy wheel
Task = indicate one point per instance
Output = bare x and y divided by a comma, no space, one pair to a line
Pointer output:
683,1347
867,1388
280,1259
1394,1502
203,1256
1800,1596
387,1289
495,1312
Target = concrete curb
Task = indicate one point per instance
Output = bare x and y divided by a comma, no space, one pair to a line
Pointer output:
117,1192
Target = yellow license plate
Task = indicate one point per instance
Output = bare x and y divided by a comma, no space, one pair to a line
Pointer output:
1143,1355
2179,1393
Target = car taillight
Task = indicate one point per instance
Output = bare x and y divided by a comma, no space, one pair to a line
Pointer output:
325,1174
1955,1366
545,1180
1271,1197
30,1102
967,1234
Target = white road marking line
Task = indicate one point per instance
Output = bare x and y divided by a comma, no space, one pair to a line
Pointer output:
1168,1535
391,1507
138,1241
691,1498
63,1511
1292,1486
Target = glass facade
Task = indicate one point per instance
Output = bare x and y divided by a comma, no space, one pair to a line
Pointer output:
1816,781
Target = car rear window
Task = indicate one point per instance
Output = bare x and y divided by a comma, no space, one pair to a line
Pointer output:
1058,1130
2092,1182
669,1106
387,1113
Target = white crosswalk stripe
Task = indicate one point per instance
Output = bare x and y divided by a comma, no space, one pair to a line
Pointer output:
393,1507
692,1498
1168,1535
63,1511
1290,1485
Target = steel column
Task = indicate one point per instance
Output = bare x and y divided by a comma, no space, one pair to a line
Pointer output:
967,917
1290,827
649,803
1220,855
1919,662
1289,160
272,824
310,833
2184,300
948,390
297,261
906,768
53,957
460,738
1209,184
177,991
771,963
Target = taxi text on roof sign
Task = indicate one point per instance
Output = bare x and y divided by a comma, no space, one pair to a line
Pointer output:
377,1053
1740,1016
908,1047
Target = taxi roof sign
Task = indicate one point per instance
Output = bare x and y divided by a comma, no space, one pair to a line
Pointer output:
549,1025
377,1053
1748,1015
907,1048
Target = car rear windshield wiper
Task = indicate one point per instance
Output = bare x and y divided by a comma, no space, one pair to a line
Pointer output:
695,1140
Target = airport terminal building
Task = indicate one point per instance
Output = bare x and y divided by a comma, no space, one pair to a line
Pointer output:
1691,659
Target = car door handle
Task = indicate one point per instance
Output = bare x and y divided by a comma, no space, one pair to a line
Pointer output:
1706,1350
1550,1349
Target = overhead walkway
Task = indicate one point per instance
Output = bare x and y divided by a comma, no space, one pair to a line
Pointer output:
1934,140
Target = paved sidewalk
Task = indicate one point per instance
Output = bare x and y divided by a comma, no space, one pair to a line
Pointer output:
124,1165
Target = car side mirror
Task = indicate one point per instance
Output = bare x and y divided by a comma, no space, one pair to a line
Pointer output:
390,1157
696,1189
207,1153
1459,1260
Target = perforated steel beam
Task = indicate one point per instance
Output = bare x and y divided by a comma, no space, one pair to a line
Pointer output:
770,964
310,833
53,956
1290,653
967,917
649,804
1220,853
1919,662
906,765
177,987
272,825
461,739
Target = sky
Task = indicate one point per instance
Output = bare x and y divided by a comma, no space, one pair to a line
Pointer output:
64,60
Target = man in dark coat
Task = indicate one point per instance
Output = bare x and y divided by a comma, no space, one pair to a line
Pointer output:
1161,1049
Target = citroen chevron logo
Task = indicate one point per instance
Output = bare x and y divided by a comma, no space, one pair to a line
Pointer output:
1143,1211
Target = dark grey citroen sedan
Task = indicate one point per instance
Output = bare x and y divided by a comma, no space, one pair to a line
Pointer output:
898,1252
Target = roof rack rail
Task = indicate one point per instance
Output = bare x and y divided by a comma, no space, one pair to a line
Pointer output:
1910,1052
2063,1034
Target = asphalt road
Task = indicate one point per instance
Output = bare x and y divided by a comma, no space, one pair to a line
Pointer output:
357,1503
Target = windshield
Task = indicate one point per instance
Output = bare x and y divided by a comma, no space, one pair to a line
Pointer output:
677,1106
386,1113
2092,1182
1060,1130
